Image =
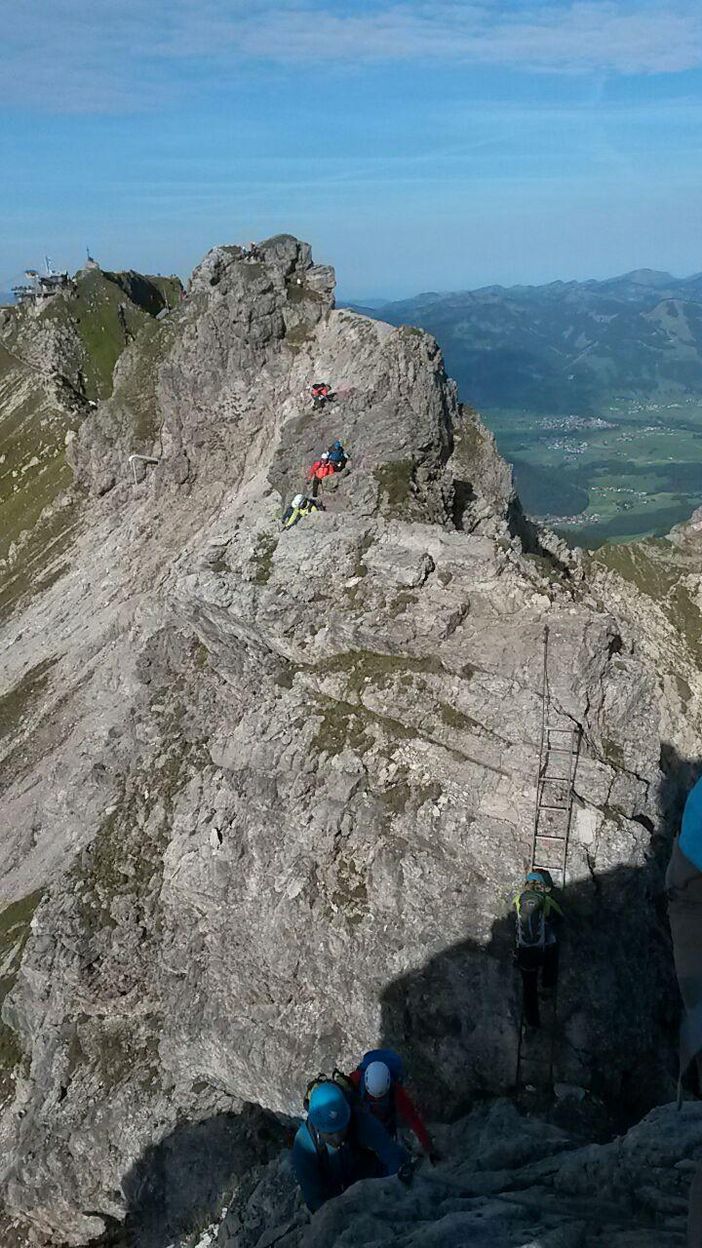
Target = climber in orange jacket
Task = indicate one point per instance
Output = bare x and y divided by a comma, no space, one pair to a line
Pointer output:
321,468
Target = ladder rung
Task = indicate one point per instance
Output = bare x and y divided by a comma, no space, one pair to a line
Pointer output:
554,729
544,806
549,836
560,749
554,779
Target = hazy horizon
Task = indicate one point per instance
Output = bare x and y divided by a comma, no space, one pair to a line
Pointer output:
416,147
379,299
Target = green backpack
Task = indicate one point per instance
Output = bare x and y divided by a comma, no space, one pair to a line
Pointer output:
531,919
339,1078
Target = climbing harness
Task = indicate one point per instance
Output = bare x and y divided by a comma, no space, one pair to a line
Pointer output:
559,753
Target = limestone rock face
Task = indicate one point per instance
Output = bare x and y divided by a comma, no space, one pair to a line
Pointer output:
506,1182
270,792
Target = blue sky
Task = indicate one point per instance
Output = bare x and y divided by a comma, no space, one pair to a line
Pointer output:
416,145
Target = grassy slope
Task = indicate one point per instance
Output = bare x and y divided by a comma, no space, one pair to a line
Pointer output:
658,569
94,322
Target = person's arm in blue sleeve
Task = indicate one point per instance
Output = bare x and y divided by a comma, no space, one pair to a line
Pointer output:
306,1166
691,830
371,1134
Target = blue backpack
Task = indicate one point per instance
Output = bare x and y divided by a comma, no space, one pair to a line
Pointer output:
337,454
392,1060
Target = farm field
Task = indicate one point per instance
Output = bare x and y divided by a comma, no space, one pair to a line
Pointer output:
632,470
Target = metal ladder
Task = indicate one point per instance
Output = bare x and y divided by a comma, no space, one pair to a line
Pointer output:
559,752
558,762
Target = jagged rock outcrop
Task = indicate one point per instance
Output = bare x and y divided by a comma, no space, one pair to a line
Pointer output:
506,1182
655,588
275,790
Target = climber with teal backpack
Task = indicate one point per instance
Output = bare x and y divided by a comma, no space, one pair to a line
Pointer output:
340,1143
538,918
684,892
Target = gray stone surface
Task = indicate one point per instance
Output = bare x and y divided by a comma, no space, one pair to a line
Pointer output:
505,1182
279,786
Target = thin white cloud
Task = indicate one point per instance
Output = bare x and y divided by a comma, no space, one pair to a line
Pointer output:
97,55
590,35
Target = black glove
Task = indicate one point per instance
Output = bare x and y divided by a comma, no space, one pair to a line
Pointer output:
434,1156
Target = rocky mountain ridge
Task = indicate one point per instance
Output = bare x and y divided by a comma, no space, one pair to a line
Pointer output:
268,797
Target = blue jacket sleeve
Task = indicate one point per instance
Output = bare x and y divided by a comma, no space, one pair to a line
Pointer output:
691,831
306,1166
371,1134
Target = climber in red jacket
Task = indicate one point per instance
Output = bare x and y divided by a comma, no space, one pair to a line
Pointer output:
320,469
378,1082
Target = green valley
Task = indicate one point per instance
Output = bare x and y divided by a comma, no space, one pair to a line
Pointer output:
592,389
634,470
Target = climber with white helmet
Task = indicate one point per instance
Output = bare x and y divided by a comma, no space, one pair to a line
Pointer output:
538,916
300,507
339,1144
378,1080
320,469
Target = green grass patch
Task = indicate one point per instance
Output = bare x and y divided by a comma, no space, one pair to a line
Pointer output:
399,604
342,727
649,565
613,753
37,565
363,667
350,894
15,922
135,395
298,292
456,719
400,795
263,558
122,861
15,704
201,655
298,335
395,482
33,468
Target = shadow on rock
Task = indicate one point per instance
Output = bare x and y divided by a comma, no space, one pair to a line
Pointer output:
177,1187
456,1019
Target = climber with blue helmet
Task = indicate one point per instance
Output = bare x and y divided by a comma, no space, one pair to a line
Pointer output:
338,456
538,916
340,1143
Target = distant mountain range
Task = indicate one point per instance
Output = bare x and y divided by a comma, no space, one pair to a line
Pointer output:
567,347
